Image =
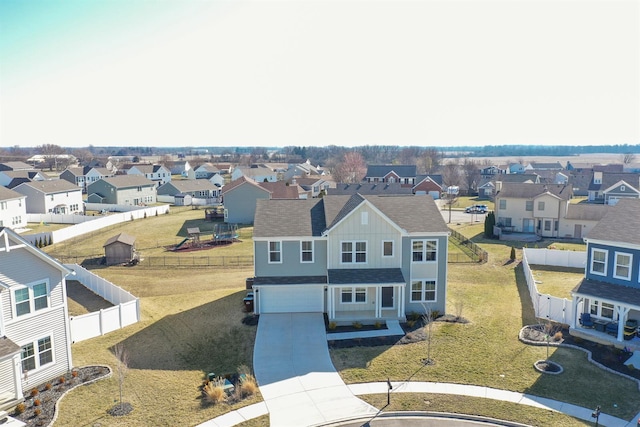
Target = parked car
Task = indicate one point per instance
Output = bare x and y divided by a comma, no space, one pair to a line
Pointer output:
477,209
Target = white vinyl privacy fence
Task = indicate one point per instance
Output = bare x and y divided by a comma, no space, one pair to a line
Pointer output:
547,306
126,310
88,224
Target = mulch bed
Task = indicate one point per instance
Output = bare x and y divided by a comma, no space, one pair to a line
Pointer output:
606,355
49,394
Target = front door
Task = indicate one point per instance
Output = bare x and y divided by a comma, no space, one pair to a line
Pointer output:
387,297
577,231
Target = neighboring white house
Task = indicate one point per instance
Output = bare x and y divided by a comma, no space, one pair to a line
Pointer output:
217,180
35,341
56,196
13,209
156,173
180,168
258,173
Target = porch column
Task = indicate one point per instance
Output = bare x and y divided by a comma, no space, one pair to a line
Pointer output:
330,302
378,305
622,318
17,375
401,301
575,301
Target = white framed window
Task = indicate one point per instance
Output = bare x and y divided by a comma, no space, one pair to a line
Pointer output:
306,251
31,298
503,204
353,295
528,205
593,307
622,188
275,252
540,206
364,218
424,250
606,310
37,354
423,290
599,262
387,248
622,269
353,252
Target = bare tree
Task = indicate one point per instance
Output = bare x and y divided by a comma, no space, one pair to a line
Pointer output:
427,320
352,169
50,153
428,160
122,366
472,176
628,158
83,155
452,174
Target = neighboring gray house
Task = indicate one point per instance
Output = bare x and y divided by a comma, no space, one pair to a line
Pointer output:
120,249
608,188
355,258
240,196
156,173
258,173
56,196
131,190
180,168
12,179
83,176
35,341
403,174
197,188
204,171
15,166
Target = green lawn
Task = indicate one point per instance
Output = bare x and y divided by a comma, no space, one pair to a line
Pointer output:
556,281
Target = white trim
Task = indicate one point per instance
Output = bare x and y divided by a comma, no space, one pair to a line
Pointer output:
393,252
313,247
606,261
32,310
622,182
34,341
354,252
615,265
623,245
353,291
424,251
373,208
279,251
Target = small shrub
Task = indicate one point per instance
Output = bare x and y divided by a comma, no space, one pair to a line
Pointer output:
37,402
377,325
411,323
248,385
333,326
37,412
145,214
214,392
357,325
512,256
48,386
557,336
34,392
20,408
415,316
62,380
435,314
74,374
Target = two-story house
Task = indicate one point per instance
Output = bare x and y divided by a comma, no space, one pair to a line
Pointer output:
56,196
35,342
258,173
204,171
404,174
610,290
13,209
608,188
83,176
131,190
531,208
156,173
355,258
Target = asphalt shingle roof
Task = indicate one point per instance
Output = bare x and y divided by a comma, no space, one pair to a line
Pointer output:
608,291
365,276
588,212
370,188
609,179
529,191
186,185
122,238
403,171
7,194
620,224
8,347
53,186
124,181
284,217
290,280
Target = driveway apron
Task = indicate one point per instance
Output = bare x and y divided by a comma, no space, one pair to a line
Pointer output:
297,379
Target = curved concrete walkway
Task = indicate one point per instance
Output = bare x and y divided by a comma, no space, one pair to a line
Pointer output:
301,387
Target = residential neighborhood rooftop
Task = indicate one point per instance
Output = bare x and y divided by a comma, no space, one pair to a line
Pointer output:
620,224
529,191
52,186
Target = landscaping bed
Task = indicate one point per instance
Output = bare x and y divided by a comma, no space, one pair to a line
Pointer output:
39,407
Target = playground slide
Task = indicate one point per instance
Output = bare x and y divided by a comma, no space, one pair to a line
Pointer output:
182,243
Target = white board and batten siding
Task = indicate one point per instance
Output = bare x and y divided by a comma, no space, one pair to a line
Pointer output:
15,271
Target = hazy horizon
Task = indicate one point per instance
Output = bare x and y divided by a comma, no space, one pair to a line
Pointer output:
316,73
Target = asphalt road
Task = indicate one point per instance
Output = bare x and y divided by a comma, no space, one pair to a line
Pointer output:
460,217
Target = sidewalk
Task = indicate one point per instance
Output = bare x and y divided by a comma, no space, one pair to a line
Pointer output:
236,417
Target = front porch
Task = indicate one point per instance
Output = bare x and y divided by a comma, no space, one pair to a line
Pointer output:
604,338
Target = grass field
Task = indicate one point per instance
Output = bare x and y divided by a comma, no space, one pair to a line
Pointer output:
556,281
191,325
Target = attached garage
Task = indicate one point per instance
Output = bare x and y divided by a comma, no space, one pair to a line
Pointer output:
289,299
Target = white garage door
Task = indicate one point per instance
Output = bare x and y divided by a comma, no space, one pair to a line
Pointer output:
291,299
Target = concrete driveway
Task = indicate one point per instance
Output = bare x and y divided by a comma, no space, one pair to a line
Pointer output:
297,380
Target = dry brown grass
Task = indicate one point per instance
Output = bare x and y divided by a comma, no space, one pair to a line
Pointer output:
214,392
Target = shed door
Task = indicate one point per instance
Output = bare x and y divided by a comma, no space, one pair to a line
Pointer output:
291,299
577,231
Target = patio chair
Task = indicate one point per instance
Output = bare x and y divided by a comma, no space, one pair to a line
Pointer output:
585,320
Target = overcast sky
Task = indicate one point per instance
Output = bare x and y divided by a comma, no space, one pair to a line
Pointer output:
344,72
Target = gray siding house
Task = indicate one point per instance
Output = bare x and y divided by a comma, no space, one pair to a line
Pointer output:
355,258
130,190
239,198
35,342
198,188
